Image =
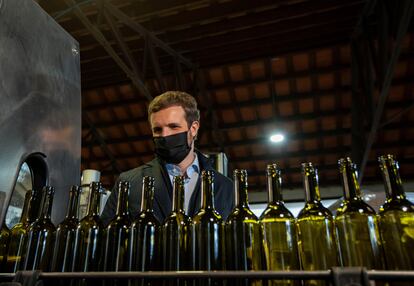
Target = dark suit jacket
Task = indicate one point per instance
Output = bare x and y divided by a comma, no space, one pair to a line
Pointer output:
223,191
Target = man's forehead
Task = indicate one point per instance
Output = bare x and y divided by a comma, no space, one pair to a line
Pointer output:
172,114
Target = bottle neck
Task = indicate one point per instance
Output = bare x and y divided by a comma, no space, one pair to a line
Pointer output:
47,203
72,212
349,179
95,199
391,175
178,194
310,183
25,210
147,199
274,184
33,209
123,194
207,190
240,188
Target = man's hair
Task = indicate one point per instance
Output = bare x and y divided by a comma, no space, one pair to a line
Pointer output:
176,98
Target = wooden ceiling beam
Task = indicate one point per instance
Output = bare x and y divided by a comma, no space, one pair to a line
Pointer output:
269,157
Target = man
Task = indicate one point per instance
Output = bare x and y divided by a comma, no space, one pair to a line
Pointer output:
174,120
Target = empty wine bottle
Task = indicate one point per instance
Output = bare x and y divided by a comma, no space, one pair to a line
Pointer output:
41,235
243,233
315,225
396,219
144,240
356,223
116,258
207,232
279,229
18,238
65,235
175,234
90,235
4,245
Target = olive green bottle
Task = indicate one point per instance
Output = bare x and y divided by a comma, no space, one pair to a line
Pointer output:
116,258
41,235
207,232
356,223
144,236
315,226
243,233
18,238
396,219
4,245
90,235
62,260
279,229
176,232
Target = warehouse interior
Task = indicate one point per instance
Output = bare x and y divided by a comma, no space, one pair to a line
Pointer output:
334,77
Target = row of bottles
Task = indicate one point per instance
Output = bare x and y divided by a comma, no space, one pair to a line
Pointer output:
315,240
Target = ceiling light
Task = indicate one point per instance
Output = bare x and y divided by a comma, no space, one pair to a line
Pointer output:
277,138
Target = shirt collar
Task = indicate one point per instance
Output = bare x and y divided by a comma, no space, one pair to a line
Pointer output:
173,170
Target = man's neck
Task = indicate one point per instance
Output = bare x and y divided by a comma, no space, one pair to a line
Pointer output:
187,161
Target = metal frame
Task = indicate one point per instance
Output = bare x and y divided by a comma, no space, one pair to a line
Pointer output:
373,63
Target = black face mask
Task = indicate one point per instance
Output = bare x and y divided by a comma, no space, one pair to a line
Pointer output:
172,149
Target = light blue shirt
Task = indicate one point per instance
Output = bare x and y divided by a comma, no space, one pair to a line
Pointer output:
191,176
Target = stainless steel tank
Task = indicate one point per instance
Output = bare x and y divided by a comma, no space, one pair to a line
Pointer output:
40,103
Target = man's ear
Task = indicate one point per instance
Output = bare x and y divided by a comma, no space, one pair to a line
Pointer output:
194,129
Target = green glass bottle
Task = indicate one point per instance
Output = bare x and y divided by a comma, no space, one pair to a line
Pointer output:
62,260
144,240
243,233
315,226
18,238
396,219
4,245
207,232
356,223
279,229
176,232
90,235
41,235
116,258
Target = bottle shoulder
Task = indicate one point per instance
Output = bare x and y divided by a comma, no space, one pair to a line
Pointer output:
93,221
68,224
145,218
357,206
207,216
42,225
177,218
120,222
402,205
314,209
242,214
276,211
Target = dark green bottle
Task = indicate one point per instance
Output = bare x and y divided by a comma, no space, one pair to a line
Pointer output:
356,223
4,245
116,258
65,235
90,235
18,238
243,233
144,240
316,232
396,219
41,235
176,232
279,229
207,233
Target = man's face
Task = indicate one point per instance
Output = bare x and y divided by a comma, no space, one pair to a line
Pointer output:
170,121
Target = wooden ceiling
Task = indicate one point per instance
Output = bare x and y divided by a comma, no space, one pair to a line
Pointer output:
260,66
